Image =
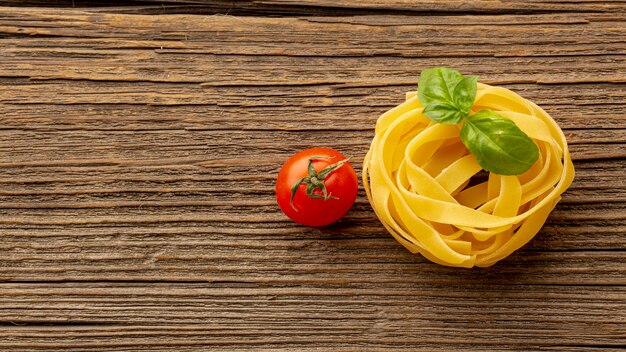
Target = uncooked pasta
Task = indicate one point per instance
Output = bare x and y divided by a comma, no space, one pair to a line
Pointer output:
435,199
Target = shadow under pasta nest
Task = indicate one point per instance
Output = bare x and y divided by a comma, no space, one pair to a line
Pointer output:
521,267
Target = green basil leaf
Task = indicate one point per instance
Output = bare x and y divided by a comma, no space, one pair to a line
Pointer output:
436,85
464,94
498,144
443,113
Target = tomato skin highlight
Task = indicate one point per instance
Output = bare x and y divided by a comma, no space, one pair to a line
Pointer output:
341,185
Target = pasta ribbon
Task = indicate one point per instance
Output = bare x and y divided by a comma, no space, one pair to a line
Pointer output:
432,196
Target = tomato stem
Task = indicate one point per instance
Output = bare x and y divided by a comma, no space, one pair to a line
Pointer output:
315,180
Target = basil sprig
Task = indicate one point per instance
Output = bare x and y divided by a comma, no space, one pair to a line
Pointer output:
498,144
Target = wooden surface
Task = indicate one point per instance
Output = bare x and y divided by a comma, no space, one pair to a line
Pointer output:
139,146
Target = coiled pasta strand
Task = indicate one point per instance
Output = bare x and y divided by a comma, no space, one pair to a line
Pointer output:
421,182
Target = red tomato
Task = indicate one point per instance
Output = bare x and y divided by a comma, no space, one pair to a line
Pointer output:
316,187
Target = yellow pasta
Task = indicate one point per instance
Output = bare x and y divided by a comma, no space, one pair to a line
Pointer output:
422,182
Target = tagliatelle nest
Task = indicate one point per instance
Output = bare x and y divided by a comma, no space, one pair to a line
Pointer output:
425,186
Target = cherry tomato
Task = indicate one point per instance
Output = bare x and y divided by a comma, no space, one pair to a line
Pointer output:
316,187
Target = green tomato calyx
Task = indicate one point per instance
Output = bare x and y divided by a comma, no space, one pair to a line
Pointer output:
315,180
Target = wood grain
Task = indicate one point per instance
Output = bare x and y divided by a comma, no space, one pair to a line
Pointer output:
332,7
138,154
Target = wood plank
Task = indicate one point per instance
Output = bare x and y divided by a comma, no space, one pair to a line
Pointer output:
138,155
472,316
331,7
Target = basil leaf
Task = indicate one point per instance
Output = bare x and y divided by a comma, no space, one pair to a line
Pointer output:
436,85
464,94
443,113
498,144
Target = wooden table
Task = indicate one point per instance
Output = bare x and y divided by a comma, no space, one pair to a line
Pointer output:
139,147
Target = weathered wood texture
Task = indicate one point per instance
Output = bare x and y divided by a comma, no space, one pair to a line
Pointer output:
335,7
138,154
